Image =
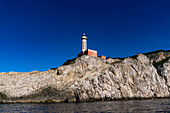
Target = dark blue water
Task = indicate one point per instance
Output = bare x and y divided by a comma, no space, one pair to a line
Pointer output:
135,106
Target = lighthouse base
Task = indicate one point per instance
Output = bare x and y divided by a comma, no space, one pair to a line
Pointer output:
88,52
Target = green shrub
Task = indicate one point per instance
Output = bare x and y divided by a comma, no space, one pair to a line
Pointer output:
116,58
115,62
152,52
53,68
69,61
133,57
156,64
107,62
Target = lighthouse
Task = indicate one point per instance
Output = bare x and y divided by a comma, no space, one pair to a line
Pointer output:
84,50
83,43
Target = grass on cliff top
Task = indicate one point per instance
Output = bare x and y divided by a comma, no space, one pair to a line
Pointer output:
53,68
156,64
133,57
157,51
116,58
70,61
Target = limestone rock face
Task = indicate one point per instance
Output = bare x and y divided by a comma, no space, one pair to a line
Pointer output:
111,60
89,78
164,72
158,55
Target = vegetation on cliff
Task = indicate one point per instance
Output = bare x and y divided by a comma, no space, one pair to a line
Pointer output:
70,61
160,63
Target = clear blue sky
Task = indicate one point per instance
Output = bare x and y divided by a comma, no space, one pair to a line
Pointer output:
43,34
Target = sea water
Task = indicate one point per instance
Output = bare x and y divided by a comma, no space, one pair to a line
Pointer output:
134,106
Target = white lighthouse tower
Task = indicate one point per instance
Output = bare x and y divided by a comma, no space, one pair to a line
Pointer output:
84,50
83,43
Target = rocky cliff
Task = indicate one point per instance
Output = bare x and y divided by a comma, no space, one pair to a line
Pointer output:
89,78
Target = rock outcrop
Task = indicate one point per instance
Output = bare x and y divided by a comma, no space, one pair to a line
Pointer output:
157,55
89,78
164,71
